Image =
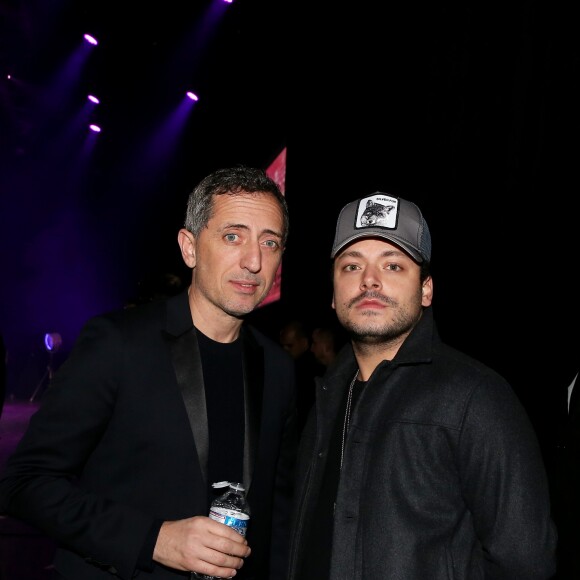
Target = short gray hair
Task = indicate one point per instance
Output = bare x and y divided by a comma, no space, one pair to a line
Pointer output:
231,181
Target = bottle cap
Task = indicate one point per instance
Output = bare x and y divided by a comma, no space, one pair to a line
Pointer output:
220,484
232,484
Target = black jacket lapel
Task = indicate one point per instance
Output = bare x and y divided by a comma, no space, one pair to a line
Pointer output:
189,373
253,396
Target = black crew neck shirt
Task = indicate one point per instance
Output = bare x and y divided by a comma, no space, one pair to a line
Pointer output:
224,396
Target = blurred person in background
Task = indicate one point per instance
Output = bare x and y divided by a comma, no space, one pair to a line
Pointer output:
325,344
295,339
561,436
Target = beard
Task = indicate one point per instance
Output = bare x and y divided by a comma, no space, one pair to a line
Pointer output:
373,329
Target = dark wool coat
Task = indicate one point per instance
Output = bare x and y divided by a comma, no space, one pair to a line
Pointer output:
442,479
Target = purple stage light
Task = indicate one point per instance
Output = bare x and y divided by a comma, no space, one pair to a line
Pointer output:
192,96
95,128
94,99
91,39
52,341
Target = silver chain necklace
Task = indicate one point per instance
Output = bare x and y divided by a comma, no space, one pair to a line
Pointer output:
347,416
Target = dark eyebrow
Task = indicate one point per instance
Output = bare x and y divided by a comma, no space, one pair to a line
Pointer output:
386,254
272,233
245,227
395,253
235,226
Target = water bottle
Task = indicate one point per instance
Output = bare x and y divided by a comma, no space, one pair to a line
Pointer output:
232,509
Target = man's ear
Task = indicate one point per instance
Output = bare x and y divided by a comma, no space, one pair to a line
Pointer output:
427,292
186,241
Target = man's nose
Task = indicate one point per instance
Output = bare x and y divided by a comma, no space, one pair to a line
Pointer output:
252,257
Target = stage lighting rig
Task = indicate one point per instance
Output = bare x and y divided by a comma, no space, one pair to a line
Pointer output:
52,344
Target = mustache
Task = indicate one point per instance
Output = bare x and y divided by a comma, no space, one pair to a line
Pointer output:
248,279
374,296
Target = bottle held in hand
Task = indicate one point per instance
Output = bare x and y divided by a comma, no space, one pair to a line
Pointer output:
230,508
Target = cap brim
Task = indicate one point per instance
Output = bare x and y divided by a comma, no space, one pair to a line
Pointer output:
389,237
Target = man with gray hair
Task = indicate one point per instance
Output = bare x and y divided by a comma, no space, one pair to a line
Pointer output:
158,401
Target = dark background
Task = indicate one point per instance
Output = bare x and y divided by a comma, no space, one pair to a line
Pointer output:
467,108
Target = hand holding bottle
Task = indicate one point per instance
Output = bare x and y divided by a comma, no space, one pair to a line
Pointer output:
202,545
232,509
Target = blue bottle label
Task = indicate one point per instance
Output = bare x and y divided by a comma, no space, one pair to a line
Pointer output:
235,519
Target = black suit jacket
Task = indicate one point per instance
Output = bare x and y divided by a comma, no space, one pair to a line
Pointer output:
121,440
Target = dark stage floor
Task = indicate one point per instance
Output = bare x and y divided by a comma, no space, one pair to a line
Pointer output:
25,554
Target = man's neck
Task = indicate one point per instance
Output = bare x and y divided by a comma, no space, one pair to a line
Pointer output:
213,321
370,356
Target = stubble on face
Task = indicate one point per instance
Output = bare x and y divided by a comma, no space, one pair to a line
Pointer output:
372,327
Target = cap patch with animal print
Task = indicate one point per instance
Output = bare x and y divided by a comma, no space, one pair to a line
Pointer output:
381,215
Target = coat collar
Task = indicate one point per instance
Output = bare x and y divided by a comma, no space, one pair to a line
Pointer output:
417,348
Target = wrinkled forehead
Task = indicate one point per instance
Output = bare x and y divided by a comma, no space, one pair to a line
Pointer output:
249,209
